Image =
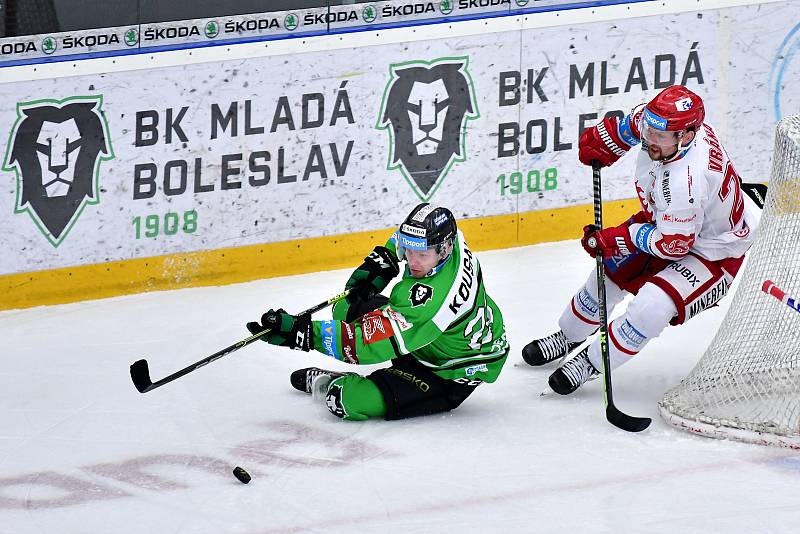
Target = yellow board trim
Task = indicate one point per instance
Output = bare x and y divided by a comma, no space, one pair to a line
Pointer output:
253,262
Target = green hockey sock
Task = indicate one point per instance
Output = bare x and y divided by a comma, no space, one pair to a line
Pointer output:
355,398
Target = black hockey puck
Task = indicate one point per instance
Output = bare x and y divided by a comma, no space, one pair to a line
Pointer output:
241,474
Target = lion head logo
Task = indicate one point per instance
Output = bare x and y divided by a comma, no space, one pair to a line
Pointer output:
425,108
55,148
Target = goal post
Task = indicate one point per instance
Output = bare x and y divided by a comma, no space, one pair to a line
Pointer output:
747,384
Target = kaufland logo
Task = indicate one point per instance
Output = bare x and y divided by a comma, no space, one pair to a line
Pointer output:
654,120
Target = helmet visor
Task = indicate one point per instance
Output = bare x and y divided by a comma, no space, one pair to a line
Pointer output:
654,131
410,238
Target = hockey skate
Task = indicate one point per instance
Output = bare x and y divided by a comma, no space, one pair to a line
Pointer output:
548,349
573,374
313,380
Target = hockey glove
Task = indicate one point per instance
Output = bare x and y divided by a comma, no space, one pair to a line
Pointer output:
285,330
373,275
609,242
609,140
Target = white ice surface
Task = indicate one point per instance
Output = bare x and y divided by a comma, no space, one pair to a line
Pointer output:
81,451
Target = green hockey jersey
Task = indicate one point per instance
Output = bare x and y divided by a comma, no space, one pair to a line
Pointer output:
445,320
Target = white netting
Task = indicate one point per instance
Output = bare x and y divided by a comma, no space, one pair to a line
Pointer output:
747,384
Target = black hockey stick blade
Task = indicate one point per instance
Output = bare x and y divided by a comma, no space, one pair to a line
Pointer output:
626,422
140,374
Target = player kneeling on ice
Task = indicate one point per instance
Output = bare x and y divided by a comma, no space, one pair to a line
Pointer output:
678,255
441,331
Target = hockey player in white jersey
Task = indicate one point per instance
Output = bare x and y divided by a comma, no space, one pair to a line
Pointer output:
678,255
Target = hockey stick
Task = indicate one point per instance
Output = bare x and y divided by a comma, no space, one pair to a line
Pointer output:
613,414
140,373
770,288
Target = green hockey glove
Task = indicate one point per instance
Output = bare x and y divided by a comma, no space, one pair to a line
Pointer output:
285,330
372,276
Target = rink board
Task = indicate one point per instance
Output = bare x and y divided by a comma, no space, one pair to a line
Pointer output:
235,168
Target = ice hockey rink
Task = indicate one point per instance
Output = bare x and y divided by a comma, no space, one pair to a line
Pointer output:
83,452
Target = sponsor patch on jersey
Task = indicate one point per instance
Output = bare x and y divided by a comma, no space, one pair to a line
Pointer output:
468,382
480,368
587,303
349,343
708,299
632,337
402,323
684,270
668,217
675,245
421,384
665,191
419,294
375,327
328,329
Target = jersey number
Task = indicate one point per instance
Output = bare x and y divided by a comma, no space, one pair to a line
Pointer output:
479,329
731,183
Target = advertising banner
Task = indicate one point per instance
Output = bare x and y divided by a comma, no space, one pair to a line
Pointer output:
226,154
43,46
275,24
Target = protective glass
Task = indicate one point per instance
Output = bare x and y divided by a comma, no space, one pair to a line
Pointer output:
410,238
654,132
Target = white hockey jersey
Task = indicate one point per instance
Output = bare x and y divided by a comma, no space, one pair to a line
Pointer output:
694,203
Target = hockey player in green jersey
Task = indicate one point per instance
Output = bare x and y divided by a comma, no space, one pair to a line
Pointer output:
443,334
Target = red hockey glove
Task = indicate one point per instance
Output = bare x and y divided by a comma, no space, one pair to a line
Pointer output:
602,143
640,218
608,241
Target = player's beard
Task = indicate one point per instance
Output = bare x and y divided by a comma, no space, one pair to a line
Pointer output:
657,154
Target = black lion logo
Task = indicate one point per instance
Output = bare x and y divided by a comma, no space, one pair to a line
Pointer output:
427,105
56,148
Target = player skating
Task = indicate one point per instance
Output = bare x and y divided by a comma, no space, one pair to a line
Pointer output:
443,334
678,255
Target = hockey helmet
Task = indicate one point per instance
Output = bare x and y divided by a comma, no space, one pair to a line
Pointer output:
667,117
427,227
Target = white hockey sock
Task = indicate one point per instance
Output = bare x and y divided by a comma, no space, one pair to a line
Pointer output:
648,314
581,317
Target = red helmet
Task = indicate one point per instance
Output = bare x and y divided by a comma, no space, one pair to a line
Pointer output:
675,109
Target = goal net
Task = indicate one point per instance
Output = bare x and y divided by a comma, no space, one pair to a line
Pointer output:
747,384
